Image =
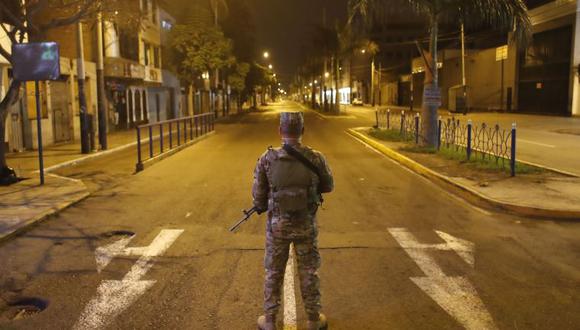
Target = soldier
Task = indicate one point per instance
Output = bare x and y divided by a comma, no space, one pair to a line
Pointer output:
288,183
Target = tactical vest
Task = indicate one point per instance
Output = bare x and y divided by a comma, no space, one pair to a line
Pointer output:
292,186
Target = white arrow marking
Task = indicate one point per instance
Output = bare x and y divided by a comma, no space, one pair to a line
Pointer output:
105,254
113,297
453,293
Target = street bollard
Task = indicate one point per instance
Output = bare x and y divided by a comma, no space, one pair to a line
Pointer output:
439,134
170,135
469,126
403,123
150,141
178,133
417,128
513,151
388,119
191,128
184,131
139,167
161,137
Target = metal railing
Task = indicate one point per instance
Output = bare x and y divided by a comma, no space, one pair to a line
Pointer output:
166,135
484,141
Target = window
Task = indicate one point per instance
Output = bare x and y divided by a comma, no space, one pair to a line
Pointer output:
156,57
154,12
146,53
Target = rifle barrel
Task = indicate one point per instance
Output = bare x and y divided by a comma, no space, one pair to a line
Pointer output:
247,215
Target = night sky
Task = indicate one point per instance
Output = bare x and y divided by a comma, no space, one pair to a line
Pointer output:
284,26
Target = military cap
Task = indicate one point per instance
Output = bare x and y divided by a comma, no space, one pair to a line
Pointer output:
291,123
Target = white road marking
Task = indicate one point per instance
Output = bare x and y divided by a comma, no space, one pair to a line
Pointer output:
453,293
536,143
188,215
289,293
113,297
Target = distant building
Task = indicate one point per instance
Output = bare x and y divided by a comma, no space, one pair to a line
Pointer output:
500,75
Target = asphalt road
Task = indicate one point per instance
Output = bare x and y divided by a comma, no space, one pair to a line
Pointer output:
384,264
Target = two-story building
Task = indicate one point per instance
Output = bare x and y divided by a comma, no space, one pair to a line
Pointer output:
133,66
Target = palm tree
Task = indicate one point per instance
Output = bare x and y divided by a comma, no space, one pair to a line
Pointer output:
507,15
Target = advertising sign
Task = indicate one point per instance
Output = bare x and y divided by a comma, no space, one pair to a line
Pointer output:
37,61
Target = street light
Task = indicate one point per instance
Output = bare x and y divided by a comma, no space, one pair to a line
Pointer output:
266,54
326,75
270,66
363,51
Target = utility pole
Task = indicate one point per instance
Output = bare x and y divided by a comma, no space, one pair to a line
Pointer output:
85,145
463,80
373,80
217,71
101,85
325,69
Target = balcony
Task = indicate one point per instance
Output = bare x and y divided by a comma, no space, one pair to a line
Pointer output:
123,68
153,75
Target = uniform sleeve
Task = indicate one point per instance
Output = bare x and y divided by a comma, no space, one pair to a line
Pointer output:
261,186
326,180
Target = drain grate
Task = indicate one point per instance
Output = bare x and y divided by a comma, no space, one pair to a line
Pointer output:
24,307
116,233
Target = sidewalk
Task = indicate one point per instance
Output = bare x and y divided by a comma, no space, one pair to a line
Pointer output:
27,202
545,194
25,163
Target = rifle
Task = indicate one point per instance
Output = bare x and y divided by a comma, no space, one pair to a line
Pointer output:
247,215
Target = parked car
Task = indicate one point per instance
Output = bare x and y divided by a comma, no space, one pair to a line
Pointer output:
357,101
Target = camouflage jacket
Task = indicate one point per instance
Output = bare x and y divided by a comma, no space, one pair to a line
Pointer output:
285,225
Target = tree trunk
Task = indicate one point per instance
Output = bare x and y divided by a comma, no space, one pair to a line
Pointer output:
313,94
429,110
9,99
337,87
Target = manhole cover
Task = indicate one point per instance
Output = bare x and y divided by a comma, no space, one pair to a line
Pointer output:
117,233
24,307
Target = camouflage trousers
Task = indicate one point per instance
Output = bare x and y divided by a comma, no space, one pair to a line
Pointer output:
308,260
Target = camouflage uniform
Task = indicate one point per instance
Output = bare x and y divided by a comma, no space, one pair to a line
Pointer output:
284,228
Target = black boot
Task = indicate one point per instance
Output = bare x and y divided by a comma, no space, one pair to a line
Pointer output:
267,322
317,322
7,176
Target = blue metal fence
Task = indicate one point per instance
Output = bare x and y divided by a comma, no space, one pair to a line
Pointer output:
482,140
177,131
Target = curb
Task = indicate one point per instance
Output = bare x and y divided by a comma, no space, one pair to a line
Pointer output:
30,223
152,161
96,155
462,191
323,116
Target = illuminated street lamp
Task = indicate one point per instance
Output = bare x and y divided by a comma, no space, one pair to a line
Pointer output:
266,54
363,51
270,66
326,75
